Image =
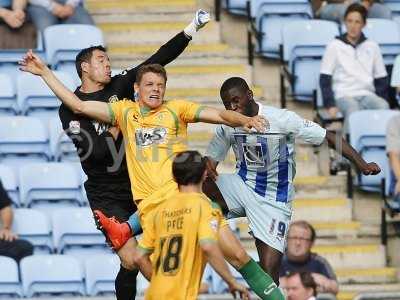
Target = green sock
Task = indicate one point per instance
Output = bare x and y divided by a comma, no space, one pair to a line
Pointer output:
260,282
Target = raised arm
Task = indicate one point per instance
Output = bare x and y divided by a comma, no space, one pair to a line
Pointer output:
94,109
232,118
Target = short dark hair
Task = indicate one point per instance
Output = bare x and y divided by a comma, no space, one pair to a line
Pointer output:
233,82
306,279
188,167
306,225
357,7
85,55
151,68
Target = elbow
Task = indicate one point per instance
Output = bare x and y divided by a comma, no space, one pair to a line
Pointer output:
79,108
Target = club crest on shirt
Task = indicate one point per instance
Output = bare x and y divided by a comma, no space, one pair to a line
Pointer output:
214,225
75,127
149,136
113,98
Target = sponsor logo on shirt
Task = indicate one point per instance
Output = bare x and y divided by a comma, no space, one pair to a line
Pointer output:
100,127
149,136
253,155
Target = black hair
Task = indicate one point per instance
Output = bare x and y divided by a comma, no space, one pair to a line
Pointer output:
85,55
233,82
188,167
356,7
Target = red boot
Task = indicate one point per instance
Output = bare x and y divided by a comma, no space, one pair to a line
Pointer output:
117,234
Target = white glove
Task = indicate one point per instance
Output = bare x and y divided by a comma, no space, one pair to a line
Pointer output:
200,19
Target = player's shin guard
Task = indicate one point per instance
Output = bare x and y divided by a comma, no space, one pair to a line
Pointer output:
260,282
125,284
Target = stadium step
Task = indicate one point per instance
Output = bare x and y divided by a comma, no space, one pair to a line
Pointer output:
320,186
192,76
155,32
370,275
123,6
349,291
126,17
353,256
322,209
200,95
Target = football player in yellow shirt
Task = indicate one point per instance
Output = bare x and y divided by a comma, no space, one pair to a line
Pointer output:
154,131
181,234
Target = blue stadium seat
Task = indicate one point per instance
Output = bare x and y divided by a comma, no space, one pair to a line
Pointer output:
75,227
387,34
61,146
8,97
270,18
61,53
23,137
141,284
367,134
41,183
9,278
5,3
51,274
304,44
236,7
101,271
9,179
9,58
34,226
34,96
394,6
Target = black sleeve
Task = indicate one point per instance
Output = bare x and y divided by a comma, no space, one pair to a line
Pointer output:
83,134
4,199
325,82
166,54
382,87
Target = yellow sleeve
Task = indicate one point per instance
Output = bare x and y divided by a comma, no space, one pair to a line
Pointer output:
147,243
188,111
209,223
117,111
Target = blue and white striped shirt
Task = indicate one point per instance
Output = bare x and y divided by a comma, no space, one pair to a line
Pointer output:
266,162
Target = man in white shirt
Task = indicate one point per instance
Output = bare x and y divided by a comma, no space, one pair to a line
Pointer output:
353,75
262,187
45,13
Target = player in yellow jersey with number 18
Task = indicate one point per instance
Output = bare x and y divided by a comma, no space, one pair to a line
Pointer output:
181,233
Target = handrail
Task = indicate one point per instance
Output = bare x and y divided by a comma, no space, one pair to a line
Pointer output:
378,296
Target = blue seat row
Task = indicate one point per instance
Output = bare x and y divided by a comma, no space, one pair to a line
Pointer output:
59,52
38,184
32,138
61,274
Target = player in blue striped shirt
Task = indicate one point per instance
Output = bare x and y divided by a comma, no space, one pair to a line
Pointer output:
262,187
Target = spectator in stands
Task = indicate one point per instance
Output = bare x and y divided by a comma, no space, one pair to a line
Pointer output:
15,32
334,10
14,16
353,75
45,13
300,286
393,152
298,257
10,245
